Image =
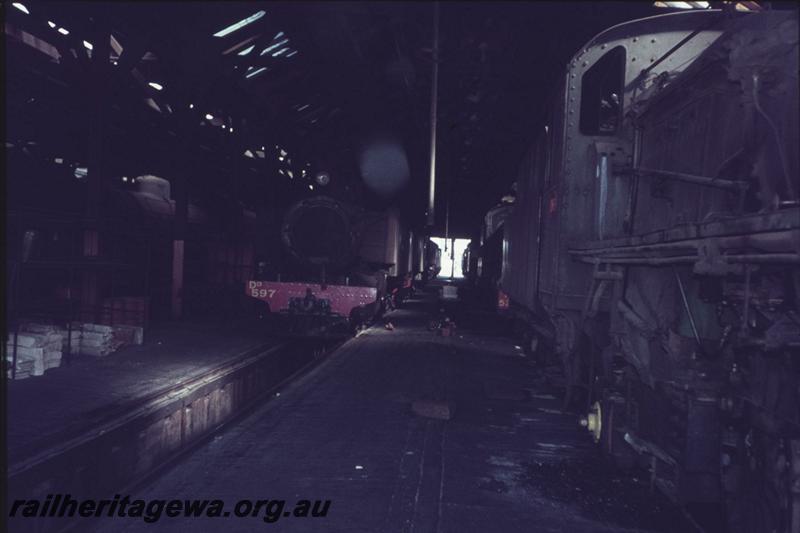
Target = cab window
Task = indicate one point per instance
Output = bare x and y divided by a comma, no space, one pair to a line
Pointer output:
601,94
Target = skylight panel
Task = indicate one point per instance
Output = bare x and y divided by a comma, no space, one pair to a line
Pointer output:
115,45
683,5
241,24
63,31
21,7
247,50
279,52
241,44
256,72
272,47
156,86
51,23
88,45
34,42
292,53
278,35
301,108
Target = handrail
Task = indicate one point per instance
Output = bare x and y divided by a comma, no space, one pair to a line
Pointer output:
737,185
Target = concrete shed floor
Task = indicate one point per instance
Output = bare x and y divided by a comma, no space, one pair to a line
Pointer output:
506,460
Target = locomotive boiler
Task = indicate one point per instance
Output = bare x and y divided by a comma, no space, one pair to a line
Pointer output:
340,259
654,249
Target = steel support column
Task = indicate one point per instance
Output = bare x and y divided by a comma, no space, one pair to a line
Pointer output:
431,215
181,170
97,104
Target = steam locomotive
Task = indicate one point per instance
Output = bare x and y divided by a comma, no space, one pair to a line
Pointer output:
344,267
482,261
654,249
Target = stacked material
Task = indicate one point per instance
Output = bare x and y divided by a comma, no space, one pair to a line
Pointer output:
36,351
96,339
67,337
127,335
72,338
25,368
39,347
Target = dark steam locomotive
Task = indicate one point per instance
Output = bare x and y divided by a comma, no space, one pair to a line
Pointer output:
345,265
654,249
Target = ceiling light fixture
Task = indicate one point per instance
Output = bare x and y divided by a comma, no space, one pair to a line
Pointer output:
156,86
21,7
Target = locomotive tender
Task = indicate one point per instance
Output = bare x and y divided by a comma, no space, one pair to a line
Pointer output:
654,247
